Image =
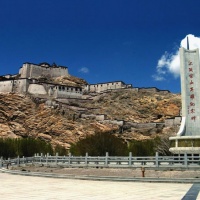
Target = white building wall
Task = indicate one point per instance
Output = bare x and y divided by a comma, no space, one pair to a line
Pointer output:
106,86
34,71
6,86
37,89
24,71
61,91
20,86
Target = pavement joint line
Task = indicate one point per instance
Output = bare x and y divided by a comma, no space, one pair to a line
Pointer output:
100,178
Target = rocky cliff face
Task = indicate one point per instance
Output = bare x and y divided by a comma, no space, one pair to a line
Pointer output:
69,80
23,116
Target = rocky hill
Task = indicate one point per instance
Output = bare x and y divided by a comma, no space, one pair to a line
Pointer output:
62,121
69,80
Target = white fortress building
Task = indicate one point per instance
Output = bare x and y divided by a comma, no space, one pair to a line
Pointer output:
31,80
29,70
35,79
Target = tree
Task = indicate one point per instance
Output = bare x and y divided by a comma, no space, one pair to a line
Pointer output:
142,148
60,150
10,148
163,145
98,144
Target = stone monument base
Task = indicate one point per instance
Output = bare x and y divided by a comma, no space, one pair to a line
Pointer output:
185,144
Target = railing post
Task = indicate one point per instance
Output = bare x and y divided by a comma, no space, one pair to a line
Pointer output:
1,162
69,160
106,159
34,158
185,160
47,159
41,155
86,159
56,158
8,163
130,159
157,162
18,161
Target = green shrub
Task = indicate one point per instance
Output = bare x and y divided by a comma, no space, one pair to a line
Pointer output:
142,148
60,150
10,148
98,144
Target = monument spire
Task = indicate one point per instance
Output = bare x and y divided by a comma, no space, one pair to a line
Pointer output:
188,47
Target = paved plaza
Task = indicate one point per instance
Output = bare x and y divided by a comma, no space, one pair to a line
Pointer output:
27,187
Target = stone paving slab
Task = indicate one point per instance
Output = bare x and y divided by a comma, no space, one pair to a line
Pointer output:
35,188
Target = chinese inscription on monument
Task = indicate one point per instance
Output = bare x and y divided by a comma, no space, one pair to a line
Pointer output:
190,79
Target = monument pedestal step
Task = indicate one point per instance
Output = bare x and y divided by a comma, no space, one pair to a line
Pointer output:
185,144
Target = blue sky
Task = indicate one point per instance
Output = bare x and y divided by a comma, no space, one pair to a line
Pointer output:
99,40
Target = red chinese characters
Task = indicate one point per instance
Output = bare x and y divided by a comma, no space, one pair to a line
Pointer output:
191,75
193,118
192,96
191,82
192,110
191,106
190,69
191,89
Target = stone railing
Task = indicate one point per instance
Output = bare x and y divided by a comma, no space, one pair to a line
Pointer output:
130,161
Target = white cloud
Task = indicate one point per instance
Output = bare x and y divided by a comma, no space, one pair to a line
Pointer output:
158,77
84,70
170,63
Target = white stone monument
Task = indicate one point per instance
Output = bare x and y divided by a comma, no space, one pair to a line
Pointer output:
188,136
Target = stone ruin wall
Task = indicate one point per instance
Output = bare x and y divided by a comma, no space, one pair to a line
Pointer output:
173,121
67,94
34,71
98,117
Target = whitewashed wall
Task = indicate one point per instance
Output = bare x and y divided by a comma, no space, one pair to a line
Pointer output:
37,89
33,71
6,86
